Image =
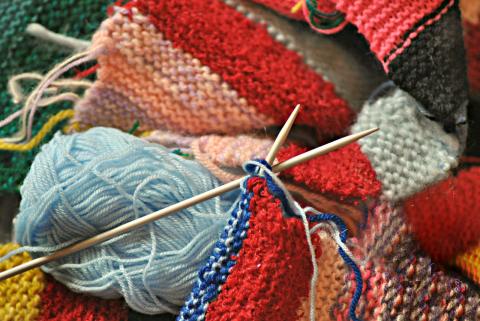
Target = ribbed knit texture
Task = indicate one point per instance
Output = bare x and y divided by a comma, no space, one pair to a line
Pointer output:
410,151
445,217
23,53
171,67
20,296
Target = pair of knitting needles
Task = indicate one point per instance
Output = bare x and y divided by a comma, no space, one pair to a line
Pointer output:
124,228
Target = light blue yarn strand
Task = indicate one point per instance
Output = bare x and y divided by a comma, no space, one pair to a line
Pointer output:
85,183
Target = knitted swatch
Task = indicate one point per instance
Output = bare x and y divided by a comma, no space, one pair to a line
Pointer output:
419,44
402,283
260,267
21,53
60,304
20,296
410,151
445,220
199,85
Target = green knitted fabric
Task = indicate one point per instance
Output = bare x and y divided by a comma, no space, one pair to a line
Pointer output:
23,53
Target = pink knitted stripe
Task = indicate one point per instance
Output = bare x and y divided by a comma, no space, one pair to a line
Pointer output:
384,23
170,86
414,34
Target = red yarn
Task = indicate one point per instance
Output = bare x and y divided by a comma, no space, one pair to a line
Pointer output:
273,267
242,52
384,23
346,173
446,217
472,39
60,304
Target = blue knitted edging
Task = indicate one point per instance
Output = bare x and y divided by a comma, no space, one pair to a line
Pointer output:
219,265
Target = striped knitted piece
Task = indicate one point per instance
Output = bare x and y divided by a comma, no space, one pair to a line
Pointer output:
402,283
199,85
22,53
20,296
419,43
405,163
244,279
33,296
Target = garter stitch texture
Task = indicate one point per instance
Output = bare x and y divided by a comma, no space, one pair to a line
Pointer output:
260,254
183,84
419,43
21,53
410,151
20,296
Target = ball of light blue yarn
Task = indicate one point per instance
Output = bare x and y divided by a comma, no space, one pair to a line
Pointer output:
82,184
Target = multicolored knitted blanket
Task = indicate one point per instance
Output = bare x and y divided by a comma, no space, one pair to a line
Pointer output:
215,79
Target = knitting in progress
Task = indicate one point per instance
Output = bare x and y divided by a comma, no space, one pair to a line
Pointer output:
117,110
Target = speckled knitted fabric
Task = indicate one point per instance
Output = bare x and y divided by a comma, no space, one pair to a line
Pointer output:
402,283
20,296
198,85
244,279
23,53
410,151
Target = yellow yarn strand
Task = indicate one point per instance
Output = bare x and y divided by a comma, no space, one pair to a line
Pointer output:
20,296
296,7
49,125
469,262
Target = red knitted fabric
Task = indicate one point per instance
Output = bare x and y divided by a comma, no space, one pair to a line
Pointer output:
385,23
273,267
346,172
60,304
283,7
472,39
445,217
246,57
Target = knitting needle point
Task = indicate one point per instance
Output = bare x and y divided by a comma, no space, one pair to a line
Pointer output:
282,136
124,228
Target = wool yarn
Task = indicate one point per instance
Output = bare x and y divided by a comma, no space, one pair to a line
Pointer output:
445,216
20,296
21,53
186,86
410,151
401,282
60,304
418,42
82,184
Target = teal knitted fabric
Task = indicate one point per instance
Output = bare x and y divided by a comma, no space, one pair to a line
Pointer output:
21,52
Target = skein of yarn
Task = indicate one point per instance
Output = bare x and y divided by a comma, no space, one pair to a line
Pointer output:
83,184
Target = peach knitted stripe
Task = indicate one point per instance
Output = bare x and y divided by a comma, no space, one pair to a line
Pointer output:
331,277
176,91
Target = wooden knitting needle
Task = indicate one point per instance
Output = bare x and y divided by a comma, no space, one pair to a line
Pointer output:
282,136
124,228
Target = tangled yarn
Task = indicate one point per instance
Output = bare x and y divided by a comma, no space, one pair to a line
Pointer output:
83,184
